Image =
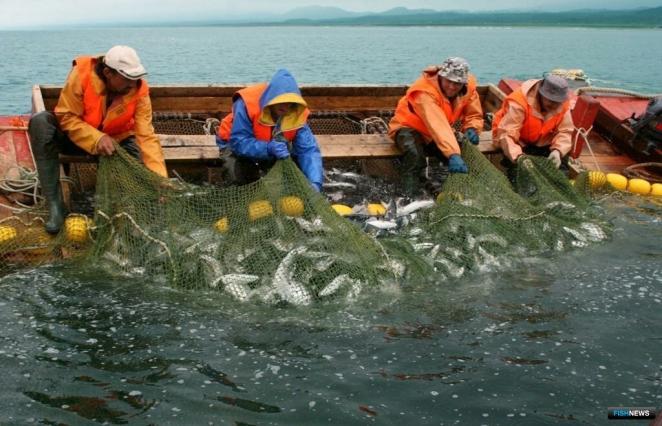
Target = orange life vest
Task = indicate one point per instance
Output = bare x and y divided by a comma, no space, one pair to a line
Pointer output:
93,103
533,127
406,116
251,97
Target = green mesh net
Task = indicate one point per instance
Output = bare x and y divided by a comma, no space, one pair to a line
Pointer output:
276,241
273,240
482,223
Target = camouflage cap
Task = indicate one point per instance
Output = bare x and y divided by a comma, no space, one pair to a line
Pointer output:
554,88
455,69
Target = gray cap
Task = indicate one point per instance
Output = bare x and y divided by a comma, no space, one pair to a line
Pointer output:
455,69
554,88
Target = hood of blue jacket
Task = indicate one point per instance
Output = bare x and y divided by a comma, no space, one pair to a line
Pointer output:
283,88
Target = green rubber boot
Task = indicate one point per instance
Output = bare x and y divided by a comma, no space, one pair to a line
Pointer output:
49,179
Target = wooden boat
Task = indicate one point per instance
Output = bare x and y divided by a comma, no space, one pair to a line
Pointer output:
349,121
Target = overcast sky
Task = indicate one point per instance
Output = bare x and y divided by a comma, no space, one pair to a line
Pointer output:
34,13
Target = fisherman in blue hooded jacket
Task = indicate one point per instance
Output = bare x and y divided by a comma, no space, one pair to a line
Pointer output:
268,123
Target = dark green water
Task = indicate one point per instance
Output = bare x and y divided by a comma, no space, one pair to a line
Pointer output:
554,341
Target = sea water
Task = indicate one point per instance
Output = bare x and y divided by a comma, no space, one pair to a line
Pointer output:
623,58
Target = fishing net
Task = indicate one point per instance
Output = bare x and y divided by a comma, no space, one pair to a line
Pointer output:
481,222
276,241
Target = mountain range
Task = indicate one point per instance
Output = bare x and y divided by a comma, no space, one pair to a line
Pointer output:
401,16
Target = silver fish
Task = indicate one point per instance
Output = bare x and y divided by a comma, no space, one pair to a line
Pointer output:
338,185
237,285
213,270
352,176
593,231
414,206
381,224
335,284
284,283
315,225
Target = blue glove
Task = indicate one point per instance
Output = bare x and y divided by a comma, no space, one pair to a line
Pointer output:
316,187
472,135
456,164
278,150
222,144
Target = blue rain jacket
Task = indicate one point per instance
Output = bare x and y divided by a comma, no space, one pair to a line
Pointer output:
305,150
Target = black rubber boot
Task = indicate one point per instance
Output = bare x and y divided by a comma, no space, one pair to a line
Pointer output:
436,176
43,132
412,167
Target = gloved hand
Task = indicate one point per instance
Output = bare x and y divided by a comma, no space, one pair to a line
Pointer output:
278,149
555,157
316,186
457,165
472,135
221,143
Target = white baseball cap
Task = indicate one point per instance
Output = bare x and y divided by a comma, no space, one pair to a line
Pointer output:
125,61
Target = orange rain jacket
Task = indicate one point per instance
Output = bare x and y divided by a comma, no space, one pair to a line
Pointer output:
520,122
82,113
425,109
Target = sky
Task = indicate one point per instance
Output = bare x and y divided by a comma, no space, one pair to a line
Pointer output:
38,13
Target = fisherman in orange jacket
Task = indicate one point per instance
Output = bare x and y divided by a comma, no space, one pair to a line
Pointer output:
442,99
535,120
104,101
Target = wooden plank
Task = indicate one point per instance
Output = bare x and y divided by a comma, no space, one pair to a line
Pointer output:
191,153
37,100
203,147
187,140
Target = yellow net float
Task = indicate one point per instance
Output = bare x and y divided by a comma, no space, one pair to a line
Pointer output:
76,228
36,241
222,225
375,209
450,196
7,233
342,209
656,190
259,210
618,181
291,205
639,186
596,179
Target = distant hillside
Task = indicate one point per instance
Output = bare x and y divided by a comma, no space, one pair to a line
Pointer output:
320,12
651,17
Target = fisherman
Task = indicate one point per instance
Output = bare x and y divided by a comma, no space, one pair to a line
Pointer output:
104,101
268,123
443,98
535,120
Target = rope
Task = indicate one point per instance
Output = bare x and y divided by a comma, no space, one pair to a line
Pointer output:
591,89
376,123
489,216
631,171
584,134
142,231
21,221
211,126
27,184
